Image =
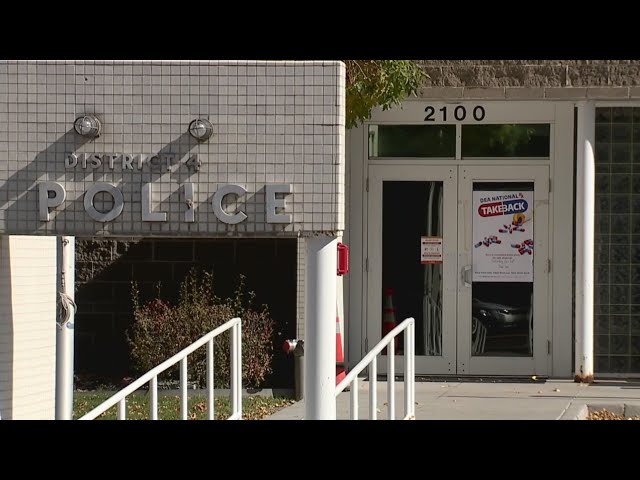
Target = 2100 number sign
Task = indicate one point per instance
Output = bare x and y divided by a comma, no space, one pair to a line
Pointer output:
459,113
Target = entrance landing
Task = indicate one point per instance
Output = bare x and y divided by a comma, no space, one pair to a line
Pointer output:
489,399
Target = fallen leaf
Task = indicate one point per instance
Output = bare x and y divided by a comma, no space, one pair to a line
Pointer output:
556,389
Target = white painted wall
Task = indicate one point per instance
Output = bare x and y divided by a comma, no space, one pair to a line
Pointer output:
27,327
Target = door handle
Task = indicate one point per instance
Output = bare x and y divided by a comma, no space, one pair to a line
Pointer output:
464,275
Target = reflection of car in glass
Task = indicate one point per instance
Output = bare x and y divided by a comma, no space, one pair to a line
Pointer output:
500,317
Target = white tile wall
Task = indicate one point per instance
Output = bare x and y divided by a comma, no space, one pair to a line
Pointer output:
274,122
27,327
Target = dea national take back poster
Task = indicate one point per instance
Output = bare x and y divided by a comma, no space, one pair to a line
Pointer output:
503,236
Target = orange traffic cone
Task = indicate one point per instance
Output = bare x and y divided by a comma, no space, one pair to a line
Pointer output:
340,372
388,316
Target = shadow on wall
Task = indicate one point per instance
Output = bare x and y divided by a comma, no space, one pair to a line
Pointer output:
106,268
6,332
16,201
19,193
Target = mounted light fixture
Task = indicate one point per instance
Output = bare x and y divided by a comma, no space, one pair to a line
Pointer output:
87,126
201,129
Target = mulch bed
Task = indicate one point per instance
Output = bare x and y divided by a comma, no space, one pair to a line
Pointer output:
604,414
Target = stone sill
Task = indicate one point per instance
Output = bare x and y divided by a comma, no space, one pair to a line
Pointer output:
530,93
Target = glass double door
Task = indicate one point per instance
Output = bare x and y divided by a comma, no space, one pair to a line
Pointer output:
464,251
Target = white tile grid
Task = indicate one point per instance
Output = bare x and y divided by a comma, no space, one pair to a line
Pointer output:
275,126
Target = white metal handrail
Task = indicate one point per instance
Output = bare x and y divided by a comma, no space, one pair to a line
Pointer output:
151,376
371,358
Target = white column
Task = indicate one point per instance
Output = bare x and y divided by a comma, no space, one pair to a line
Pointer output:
320,329
65,327
585,211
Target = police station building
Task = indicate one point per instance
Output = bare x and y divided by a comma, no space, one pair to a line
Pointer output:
500,208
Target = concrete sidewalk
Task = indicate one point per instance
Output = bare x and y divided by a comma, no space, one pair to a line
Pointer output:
490,400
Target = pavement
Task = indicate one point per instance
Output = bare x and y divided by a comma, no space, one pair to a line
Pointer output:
491,399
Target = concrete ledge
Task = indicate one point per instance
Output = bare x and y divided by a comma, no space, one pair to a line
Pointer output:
581,411
441,92
631,410
615,408
575,412
606,92
529,93
561,93
524,93
490,92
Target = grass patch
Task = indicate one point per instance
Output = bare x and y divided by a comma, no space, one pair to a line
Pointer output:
253,408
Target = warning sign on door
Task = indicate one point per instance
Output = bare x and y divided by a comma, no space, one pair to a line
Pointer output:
430,250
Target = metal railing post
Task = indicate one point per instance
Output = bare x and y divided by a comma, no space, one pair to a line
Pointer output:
153,398
234,370
122,409
407,370
354,399
184,405
373,389
210,393
412,363
391,397
239,367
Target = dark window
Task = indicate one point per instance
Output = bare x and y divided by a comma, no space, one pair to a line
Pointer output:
412,141
506,140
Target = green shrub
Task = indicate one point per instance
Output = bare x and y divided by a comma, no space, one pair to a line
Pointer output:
161,330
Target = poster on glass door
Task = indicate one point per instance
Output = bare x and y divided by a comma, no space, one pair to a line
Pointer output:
503,236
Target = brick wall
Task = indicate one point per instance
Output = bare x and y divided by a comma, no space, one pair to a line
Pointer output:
524,79
106,268
531,73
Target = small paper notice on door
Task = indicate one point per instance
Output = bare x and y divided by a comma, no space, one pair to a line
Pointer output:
430,250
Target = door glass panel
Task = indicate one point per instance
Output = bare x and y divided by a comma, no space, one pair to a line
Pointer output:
502,272
412,141
506,140
411,264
